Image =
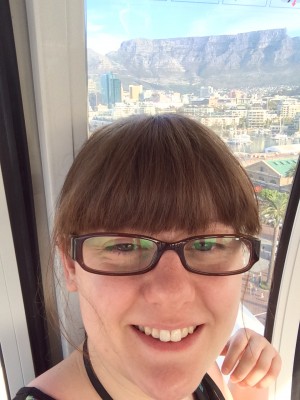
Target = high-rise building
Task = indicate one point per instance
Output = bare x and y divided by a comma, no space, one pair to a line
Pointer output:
256,117
206,91
111,89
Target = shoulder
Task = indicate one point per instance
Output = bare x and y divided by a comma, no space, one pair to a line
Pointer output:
216,375
64,381
31,393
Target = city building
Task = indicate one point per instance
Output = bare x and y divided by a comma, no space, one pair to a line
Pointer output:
272,174
111,89
289,109
256,117
206,91
135,92
93,94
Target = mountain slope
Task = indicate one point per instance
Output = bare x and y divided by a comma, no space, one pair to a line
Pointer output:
267,57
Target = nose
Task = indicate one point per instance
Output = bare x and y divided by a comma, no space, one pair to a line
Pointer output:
169,283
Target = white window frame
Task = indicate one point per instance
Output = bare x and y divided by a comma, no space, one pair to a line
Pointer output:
56,31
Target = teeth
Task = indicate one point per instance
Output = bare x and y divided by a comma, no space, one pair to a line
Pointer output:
191,329
155,333
164,335
176,335
184,332
148,331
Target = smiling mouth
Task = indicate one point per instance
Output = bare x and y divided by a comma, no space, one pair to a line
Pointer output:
163,335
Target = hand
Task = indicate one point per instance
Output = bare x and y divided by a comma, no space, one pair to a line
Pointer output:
250,359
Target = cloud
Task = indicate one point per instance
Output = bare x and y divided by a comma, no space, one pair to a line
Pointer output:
135,22
109,26
103,43
92,28
101,34
226,20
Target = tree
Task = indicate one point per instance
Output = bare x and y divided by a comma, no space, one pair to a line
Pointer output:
273,207
291,172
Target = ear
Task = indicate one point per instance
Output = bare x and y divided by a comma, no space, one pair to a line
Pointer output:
69,271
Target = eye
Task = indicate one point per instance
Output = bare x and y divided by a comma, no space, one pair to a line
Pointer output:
204,244
122,247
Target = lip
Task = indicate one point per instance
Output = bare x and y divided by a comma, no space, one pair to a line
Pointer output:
158,345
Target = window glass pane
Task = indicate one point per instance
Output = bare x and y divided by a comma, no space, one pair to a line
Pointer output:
232,67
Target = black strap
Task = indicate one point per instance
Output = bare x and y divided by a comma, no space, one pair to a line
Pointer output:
92,376
214,393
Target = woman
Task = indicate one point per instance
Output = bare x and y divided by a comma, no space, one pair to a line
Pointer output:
154,226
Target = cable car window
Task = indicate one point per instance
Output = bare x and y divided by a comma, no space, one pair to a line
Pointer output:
230,67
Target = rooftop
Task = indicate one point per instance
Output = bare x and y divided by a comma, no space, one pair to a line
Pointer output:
282,166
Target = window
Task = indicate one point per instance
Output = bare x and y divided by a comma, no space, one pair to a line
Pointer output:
147,57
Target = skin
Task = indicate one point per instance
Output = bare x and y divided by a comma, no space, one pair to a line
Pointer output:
253,365
168,297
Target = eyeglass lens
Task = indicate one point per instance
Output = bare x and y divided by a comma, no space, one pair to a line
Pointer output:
120,254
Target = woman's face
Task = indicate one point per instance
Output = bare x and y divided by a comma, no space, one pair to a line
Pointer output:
167,301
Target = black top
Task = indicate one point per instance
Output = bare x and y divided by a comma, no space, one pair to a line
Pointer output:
208,390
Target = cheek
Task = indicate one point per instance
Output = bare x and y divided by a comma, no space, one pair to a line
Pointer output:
105,300
223,296
223,305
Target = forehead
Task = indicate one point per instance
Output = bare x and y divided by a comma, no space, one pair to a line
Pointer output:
176,235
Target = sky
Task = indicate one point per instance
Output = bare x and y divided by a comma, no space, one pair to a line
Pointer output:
110,22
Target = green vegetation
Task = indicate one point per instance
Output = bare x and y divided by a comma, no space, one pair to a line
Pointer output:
291,172
273,207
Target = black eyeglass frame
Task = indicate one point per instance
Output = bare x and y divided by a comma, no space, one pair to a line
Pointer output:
253,244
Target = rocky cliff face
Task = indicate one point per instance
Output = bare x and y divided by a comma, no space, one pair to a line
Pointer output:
268,57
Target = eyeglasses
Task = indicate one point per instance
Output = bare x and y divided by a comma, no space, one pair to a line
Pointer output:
127,254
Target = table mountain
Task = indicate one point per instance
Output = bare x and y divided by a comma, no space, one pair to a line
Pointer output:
260,58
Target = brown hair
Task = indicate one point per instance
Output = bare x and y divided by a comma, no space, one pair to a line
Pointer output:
154,173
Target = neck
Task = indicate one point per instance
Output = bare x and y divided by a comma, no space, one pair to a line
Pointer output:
109,388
